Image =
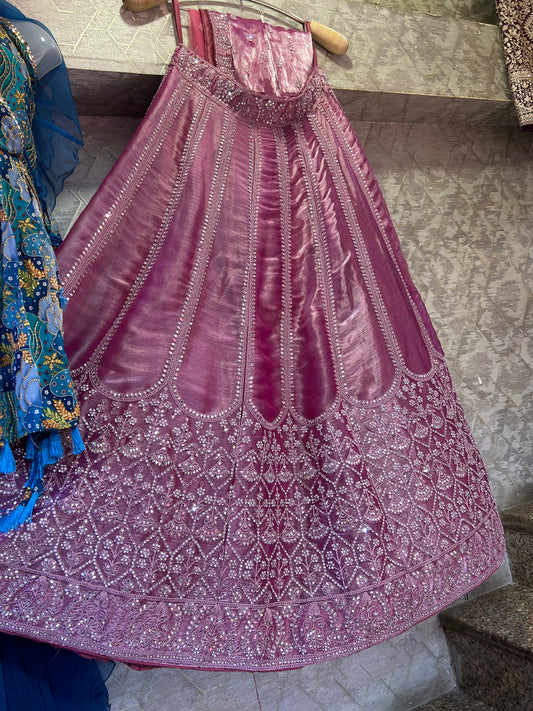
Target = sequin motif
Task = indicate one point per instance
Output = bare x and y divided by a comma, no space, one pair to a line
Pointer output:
277,469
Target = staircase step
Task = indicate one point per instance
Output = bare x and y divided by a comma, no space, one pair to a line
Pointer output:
518,525
519,518
455,701
492,645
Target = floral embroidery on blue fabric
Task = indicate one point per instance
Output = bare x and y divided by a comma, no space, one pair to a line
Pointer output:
37,397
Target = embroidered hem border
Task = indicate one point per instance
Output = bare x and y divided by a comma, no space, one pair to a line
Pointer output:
190,634
522,88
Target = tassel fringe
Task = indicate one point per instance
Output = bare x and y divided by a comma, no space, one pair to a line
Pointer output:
32,491
54,448
37,469
19,515
30,447
7,460
42,450
77,442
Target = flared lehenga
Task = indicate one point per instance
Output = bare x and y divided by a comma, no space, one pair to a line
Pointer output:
277,469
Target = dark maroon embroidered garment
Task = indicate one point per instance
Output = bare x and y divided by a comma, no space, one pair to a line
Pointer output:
516,26
277,470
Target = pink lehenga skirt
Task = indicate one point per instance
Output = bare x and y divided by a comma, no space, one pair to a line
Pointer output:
277,469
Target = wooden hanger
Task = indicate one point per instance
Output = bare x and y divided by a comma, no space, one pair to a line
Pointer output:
330,39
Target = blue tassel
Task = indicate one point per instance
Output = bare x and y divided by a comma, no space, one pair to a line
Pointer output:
77,442
43,452
50,448
55,448
30,447
22,513
33,487
7,460
37,469
48,451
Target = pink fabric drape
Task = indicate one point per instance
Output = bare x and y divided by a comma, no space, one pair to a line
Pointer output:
277,469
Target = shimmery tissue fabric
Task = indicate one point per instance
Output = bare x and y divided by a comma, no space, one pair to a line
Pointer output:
277,469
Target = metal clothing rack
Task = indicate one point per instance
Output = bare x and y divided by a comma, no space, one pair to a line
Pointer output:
326,37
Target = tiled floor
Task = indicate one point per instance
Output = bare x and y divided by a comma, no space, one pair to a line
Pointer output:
462,200
391,677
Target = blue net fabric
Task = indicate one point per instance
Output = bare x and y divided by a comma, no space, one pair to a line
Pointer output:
56,128
38,676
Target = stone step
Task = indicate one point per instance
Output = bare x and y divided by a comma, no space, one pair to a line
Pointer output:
402,65
491,639
518,525
455,701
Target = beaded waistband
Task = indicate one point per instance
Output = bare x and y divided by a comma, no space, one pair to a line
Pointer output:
259,108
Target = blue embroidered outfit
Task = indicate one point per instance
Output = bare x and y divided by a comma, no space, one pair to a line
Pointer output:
37,398
39,140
